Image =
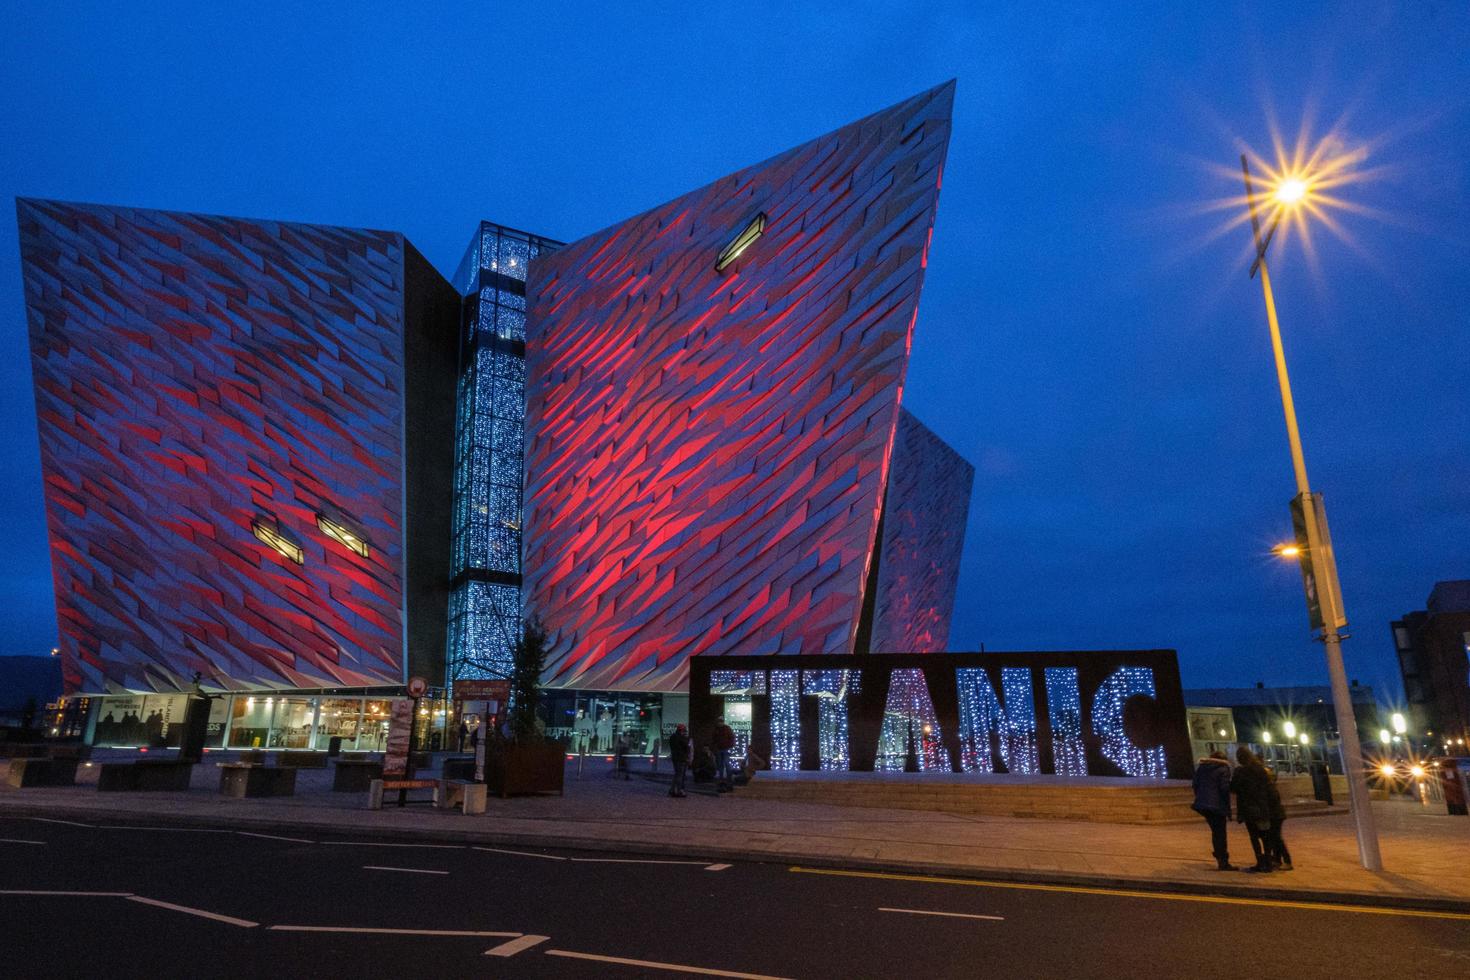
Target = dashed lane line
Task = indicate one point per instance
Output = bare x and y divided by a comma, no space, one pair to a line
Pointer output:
953,915
529,854
416,871
515,946
477,934
629,861
69,823
374,843
294,840
44,892
187,910
652,965
1159,896
17,840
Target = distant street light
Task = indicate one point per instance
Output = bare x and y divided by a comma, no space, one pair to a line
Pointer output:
1290,729
1292,197
1302,738
1399,724
1266,736
1383,736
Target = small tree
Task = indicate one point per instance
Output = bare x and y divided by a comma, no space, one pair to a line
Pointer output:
525,682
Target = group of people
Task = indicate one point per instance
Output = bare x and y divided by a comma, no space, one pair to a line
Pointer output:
714,761
1257,805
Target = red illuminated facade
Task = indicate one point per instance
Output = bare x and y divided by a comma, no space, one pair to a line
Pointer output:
709,439
228,413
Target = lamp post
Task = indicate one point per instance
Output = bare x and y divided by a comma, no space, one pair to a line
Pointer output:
1319,568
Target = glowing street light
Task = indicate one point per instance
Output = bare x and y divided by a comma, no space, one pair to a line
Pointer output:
1266,736
1383,736
1290,729
1292,198
1303,738
1400,726
1287,550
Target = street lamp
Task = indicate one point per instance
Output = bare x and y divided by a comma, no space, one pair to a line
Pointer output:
1309,519
1400,726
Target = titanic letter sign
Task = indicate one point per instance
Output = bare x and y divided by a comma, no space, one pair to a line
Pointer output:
1103,713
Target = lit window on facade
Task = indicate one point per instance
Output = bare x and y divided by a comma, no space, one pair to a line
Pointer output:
270,534
340,531
747,236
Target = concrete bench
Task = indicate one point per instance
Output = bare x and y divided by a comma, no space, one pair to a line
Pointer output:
355,775
301,760
469,796
403,787
145,775
242,779
25,773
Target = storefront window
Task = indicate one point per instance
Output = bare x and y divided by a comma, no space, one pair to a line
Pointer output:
219,713
339,718
374,734
250,721
292,726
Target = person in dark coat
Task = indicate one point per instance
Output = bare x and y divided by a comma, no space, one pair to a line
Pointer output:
1251,787
1212,801
681,750
1276,847
722,742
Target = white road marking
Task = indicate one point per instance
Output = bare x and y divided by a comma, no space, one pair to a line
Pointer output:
229,919
529,854
651,965
32,891
69,823
17,840
373,843
515,946
717,867
417,871
172,830
294,840
954,915
629,861
399,932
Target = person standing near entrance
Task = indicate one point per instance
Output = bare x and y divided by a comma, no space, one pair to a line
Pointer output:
681,751
1212,801
1275,846
1250,784
722,742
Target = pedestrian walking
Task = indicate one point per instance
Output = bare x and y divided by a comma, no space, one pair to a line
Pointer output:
1212,801
1276,847
722,742
1252,804
681,752
464,734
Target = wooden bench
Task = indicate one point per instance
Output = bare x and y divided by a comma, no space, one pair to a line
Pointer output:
469,796
355,775
25,773
301,760
404,787
242,779
144,775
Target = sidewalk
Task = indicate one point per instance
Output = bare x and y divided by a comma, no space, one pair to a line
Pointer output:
1427,853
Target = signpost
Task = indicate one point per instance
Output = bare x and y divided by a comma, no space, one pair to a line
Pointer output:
400,733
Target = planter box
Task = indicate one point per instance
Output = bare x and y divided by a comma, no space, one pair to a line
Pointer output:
42,772
516,770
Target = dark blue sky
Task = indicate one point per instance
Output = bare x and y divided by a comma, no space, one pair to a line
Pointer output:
1081,339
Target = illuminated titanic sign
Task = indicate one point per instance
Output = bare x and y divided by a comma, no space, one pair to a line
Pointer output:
1104,713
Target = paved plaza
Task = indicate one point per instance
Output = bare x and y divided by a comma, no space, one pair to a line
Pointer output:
1426,852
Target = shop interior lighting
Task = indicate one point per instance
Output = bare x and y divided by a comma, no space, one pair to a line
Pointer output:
741,242
336,529
271,535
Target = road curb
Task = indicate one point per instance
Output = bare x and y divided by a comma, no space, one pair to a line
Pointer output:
935,869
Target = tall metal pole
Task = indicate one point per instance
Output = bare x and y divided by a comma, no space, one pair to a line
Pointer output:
1324,564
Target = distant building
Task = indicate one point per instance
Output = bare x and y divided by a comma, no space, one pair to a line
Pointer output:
1272,720
1433,645
26,685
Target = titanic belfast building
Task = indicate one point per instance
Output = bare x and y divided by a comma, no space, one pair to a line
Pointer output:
294,465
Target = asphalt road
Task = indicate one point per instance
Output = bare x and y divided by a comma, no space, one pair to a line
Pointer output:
141,901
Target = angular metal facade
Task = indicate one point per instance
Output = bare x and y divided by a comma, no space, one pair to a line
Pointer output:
204,384
924,518
708,450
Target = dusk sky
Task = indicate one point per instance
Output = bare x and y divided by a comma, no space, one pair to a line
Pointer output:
1086,337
